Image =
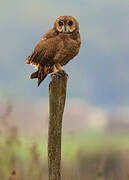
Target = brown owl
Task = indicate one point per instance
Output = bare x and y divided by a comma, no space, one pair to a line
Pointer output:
56,48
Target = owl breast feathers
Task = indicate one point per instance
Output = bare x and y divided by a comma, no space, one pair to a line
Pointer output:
56,48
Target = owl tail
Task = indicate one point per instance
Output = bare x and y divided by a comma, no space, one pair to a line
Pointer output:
40,74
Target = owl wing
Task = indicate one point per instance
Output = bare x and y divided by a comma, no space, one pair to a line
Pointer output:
44,51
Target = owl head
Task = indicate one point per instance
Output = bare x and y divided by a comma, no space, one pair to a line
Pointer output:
66,24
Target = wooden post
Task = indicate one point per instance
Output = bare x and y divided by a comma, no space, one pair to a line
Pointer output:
57,96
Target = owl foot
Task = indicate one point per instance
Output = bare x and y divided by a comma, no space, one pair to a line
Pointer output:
56,74
60,74
59,67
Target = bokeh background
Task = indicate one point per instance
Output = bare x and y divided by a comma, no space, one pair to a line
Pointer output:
96,118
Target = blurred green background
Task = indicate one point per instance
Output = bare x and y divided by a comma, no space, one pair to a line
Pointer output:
96,118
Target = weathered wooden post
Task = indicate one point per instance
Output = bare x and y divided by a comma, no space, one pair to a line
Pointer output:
57,96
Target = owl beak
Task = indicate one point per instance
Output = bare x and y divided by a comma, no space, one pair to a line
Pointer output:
65,30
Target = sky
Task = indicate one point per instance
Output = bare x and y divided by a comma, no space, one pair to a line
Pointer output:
99,74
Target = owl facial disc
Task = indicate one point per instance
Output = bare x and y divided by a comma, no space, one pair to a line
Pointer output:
66,24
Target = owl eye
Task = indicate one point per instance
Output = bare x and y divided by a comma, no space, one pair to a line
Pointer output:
70,23
60,23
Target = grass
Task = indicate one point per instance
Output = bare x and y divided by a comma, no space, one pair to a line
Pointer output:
92,142
83,156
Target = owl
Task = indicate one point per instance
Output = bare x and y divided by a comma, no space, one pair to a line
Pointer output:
56,48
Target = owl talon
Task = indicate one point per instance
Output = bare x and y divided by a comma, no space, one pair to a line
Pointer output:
62,73
59,74
53,74
56,74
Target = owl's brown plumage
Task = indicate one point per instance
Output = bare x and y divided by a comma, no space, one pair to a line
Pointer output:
56,48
